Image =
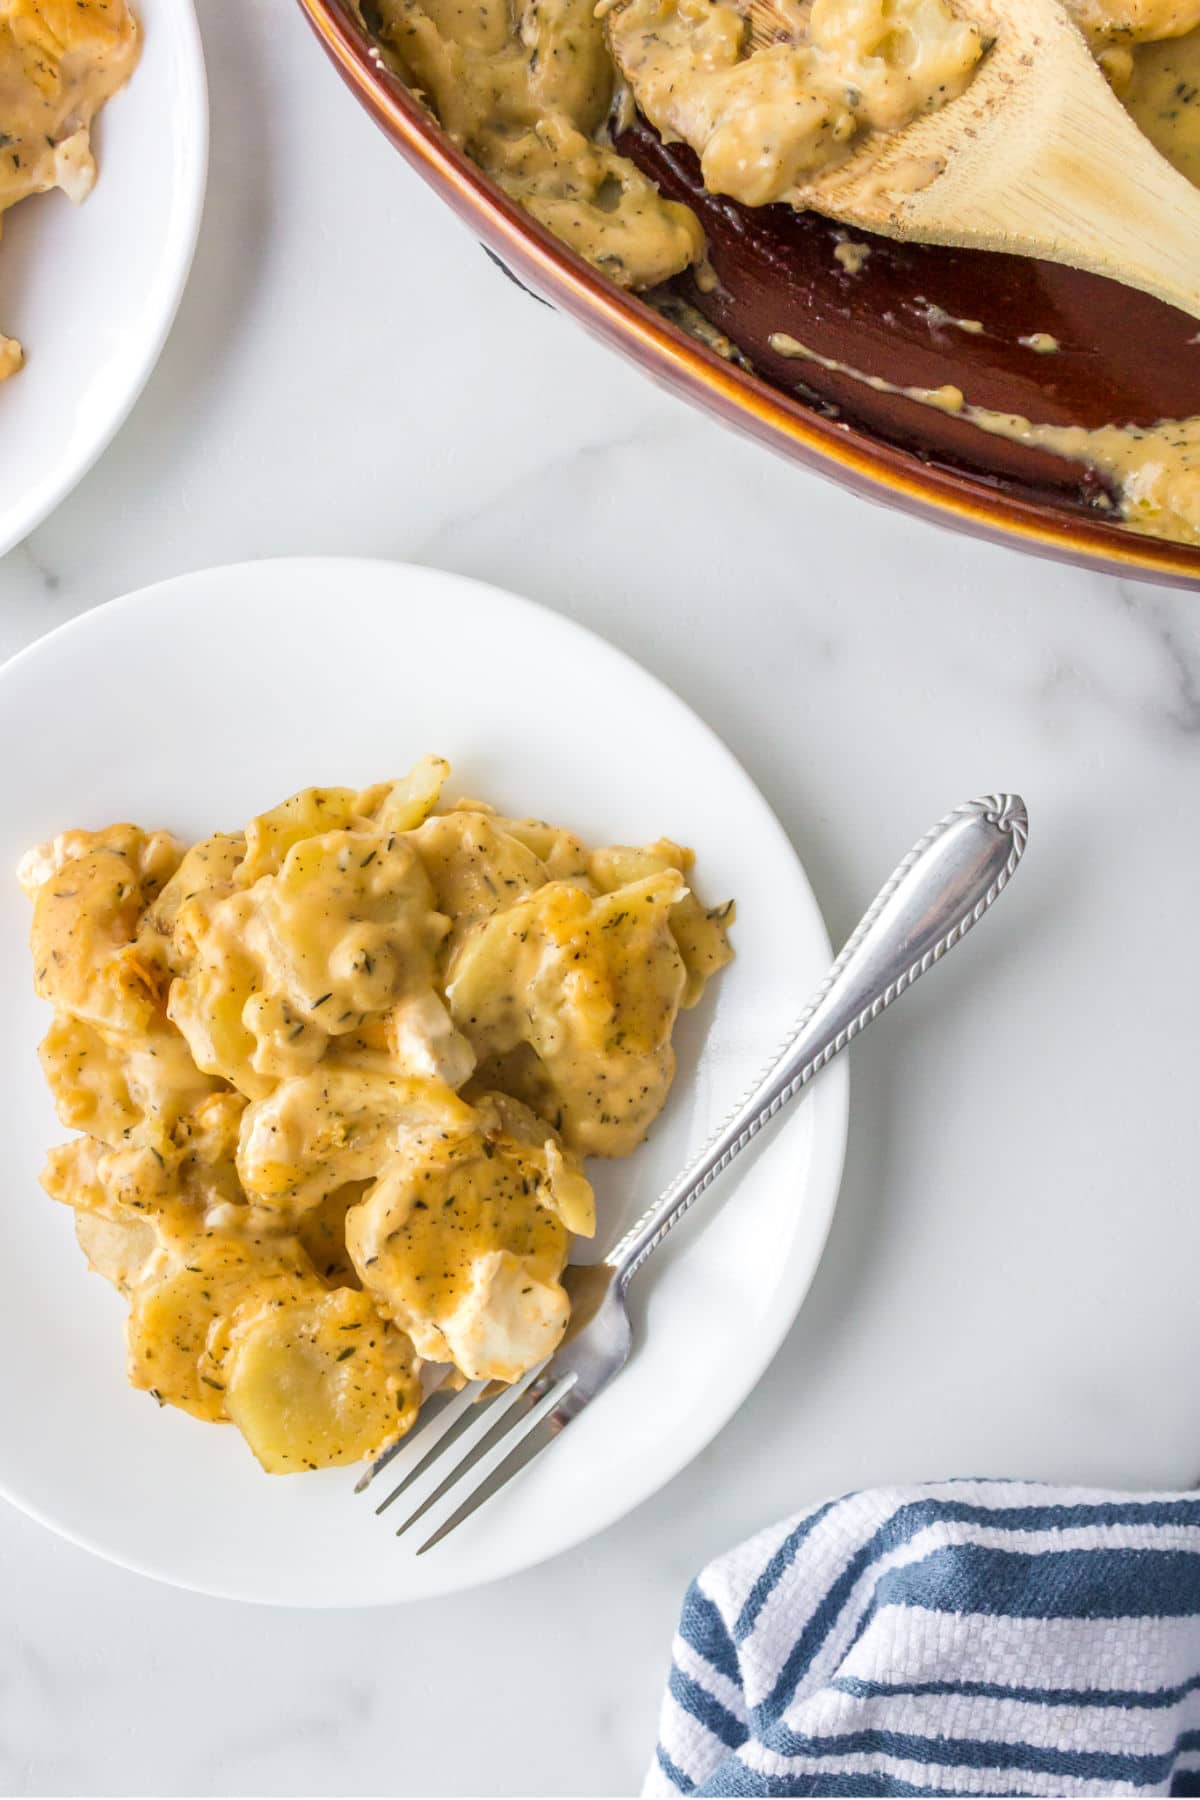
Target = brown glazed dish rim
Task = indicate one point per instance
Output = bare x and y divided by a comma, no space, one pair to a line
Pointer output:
860,460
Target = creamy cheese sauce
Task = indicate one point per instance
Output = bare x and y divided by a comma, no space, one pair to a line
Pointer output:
1163,95
60,61
764,119
1122,23
527,89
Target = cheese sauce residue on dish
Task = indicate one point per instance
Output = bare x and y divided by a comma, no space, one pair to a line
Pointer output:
60,61
1155,469
335,1077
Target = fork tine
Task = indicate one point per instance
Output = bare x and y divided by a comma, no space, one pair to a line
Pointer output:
437,1403
514,1402
532,1436
449,1423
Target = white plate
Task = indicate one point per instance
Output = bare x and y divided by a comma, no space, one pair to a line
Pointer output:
91,290
193,705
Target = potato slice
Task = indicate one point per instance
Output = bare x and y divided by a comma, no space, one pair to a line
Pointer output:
172,1321
591,987
475,867
333,1126
87,1076
699,931
128,1182
122,1251
176,1179
113,1086
463,1240
204,876
560,850
388,806
407,803
207,1002
307,814
86,912
320,1382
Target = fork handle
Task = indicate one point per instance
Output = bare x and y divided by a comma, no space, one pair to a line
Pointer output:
945,884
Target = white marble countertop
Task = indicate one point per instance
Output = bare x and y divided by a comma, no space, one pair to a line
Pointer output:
1010,1283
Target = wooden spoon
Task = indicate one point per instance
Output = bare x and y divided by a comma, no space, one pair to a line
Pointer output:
1037,158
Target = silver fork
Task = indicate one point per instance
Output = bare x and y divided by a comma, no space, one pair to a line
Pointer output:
945,884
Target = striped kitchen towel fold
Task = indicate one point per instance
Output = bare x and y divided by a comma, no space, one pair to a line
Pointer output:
967,1637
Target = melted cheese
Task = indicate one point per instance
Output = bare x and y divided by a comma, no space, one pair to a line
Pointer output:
111,1086
475,867
700,933
182,1175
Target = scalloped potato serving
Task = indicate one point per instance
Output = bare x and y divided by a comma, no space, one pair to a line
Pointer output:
335,1077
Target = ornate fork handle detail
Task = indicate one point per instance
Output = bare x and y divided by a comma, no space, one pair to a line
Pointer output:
945,884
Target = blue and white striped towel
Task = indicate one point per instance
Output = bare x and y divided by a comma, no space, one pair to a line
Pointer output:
969,1637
